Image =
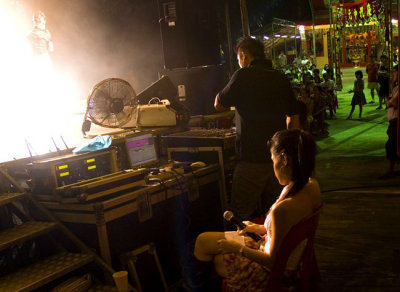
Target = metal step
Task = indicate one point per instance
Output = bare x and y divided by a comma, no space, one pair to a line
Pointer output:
23,232
43,271
6,198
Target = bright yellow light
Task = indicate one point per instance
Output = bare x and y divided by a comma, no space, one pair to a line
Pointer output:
36,101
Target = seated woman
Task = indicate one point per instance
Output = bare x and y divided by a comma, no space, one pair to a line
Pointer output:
246,266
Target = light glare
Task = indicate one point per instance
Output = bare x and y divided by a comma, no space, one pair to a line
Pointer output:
36,100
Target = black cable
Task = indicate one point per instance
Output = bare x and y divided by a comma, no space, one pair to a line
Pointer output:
176,177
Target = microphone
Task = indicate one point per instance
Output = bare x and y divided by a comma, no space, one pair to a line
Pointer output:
228,216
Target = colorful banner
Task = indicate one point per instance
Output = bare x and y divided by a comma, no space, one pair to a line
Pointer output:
357,13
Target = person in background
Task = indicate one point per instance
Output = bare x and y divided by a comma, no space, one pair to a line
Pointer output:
305,61
372,71
297,61
245,263
305,108
40,37
319,106
328,91
383,80
329,70
282,60
358,96
317,78
393,115
264,103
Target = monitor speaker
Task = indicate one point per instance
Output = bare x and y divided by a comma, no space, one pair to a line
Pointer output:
189,33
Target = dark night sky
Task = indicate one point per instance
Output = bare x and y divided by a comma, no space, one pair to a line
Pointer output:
262,12
98,39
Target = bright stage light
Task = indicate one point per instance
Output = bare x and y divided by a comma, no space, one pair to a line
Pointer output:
36,100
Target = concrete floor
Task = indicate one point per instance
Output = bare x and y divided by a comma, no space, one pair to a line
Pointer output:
358,241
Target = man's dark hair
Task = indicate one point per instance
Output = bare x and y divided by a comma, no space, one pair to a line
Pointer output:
359,72
252,47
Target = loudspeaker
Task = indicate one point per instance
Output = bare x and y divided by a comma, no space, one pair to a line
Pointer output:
163,88
189,33
201,84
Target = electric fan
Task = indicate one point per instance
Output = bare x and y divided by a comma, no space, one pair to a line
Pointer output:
110,104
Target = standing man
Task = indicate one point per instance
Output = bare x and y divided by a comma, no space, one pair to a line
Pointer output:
282,60
264,103
372,71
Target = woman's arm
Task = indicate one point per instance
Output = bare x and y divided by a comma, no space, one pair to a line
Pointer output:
254,228
282,221
392,102
228,246
281,224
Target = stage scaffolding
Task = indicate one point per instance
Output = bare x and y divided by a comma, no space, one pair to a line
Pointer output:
279,32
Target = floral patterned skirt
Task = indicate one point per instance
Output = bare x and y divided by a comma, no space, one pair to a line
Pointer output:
244,274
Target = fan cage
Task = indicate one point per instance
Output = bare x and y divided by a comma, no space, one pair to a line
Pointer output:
107,97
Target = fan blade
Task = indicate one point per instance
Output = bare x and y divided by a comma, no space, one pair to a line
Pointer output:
106,117
122,90
101,95
122,117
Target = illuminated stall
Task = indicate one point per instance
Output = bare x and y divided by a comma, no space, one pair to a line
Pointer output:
361,29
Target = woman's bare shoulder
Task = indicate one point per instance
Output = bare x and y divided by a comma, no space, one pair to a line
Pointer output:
309,197
312,186
313,192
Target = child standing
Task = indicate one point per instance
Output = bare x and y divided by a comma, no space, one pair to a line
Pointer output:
358,97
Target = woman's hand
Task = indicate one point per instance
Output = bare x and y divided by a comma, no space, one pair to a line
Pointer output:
229,246
253,228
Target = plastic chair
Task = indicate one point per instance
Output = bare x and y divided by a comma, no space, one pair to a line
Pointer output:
308,272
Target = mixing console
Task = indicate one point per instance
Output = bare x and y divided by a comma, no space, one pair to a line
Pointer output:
209,133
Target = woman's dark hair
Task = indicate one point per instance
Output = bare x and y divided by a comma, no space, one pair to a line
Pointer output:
301,149
359,72
252,47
